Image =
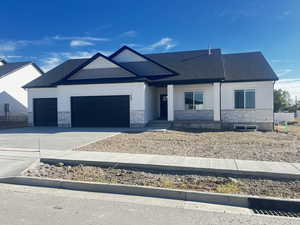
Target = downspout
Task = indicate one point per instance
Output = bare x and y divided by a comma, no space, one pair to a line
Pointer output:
224,74
273,107
220,101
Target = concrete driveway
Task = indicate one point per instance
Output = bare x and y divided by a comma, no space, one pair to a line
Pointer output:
52,138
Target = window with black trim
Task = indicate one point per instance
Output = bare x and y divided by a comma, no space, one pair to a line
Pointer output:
193,100
244,99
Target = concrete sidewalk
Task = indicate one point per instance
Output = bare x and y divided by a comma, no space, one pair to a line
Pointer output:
231,166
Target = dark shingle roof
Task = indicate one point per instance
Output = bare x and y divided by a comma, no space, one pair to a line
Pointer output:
8,68
115,72
190,66
52,76
145,68
247,66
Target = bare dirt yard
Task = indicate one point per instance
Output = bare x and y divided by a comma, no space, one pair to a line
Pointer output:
232,185
266,146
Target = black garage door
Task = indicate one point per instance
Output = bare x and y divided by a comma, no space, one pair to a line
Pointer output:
100,111
45,111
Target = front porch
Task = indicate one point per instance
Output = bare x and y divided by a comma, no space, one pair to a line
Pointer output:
173,103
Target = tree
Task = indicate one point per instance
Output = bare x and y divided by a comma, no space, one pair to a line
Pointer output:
282,100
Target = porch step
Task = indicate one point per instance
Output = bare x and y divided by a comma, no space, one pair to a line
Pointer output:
159,124
198,124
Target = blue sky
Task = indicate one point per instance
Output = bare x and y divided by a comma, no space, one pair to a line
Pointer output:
49,32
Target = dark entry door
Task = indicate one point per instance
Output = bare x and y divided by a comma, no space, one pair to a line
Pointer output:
100,111
45,111
163,107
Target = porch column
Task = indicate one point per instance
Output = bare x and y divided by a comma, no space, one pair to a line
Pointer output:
217,96
170,90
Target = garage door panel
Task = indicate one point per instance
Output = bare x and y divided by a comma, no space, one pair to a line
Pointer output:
100,111
45,111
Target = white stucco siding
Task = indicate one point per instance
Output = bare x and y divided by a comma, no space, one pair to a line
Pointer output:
263,93
135,90
63,93
39,93
150,103
262,114
206,111
207,90
11,91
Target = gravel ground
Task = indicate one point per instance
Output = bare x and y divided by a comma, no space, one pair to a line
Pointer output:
249,186
266,146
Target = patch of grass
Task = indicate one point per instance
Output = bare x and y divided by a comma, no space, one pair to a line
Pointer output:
167,183
184,186
229,188
101,180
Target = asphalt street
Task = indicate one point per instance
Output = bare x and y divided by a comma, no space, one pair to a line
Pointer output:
22,205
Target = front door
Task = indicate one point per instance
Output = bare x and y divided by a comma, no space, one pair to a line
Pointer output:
163,107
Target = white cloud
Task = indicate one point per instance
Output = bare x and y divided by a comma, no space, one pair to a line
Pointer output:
82,54
13,45
282,61
283,72
7,46
77,43
130,33
291,85
165,43
11,56
56,58
50,62
84,38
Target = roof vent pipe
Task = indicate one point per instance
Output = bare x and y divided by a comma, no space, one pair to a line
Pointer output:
209,50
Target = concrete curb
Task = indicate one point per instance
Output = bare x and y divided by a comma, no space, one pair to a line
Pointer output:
170,168
214,198
33,165
185,195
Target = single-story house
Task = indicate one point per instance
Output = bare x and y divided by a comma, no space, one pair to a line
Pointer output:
130,89
13,98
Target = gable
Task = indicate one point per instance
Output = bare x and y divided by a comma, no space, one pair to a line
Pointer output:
101,68
128,56
99,63
138,63
8,68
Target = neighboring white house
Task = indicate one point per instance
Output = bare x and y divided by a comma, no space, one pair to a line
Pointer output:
13,97
129,89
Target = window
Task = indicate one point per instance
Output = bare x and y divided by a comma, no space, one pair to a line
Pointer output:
244,99
6,109
193,100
